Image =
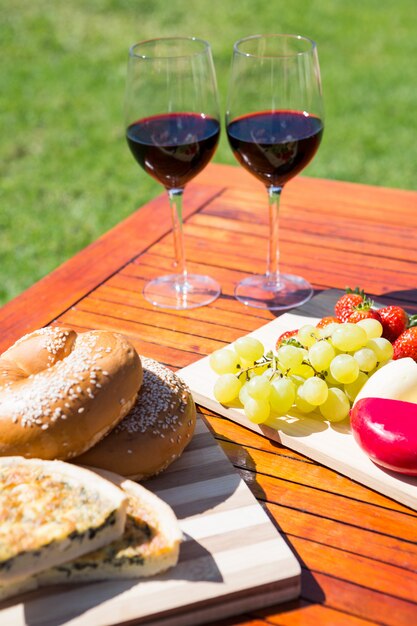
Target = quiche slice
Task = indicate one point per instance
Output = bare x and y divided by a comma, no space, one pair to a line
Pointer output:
52,512
149,545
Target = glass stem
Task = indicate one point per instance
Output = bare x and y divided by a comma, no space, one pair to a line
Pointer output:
272,269
175,201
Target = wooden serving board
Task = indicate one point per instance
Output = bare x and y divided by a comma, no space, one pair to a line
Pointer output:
332,445
233,558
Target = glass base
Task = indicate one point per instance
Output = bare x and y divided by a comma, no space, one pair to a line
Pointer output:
262,292
172,292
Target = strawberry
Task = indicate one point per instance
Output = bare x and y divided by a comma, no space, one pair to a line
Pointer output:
346,303
363,312
284,337
394,321
406,344
329,319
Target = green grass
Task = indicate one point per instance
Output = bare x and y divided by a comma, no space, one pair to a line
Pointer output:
66,172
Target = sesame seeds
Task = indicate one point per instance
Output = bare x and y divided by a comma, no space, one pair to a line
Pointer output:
162,399
68,382
55,341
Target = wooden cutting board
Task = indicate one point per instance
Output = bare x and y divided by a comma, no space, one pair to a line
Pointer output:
332,445
232,560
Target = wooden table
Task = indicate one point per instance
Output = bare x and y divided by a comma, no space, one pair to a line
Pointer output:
357,549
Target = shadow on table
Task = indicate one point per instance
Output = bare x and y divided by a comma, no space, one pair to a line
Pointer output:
311,592
406,295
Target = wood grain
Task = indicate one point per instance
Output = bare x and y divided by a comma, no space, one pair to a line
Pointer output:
357,548
223,527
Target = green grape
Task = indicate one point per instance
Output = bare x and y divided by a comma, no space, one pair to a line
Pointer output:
243,393
305,370
321,354
297,380
301,403
328,330
259,387
337,405
344,368
315,391
308,335
382,347
289,356
226,388
349,337
257,410
352,389
372,327
249,348
224,361
330,380
366,359
282,395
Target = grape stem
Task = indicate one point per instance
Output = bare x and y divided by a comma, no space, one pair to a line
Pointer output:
270,360
264,361
316,372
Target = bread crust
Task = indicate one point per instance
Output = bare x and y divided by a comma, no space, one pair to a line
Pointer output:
154,433
61,392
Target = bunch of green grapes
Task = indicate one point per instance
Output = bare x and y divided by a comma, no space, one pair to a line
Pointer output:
317,369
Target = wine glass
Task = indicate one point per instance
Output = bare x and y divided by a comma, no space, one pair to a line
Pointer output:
173,128
274,123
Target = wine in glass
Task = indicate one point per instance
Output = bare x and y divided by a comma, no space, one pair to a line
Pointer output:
274,123
172,122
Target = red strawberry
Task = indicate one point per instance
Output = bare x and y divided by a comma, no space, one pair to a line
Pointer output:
363,313
287,335
346,303
394,321
329,319
406,344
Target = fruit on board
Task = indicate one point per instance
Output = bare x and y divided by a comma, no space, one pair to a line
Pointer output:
285,336
345,305
328,319
386,430
396,380
341,354
394,321
361,307
311,369
406,344
363,312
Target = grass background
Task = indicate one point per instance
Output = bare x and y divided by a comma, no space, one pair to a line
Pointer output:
66,174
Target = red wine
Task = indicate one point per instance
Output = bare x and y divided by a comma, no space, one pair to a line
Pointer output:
173,147
275,145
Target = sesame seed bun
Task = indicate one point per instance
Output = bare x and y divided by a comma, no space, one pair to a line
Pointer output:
61,392
154,433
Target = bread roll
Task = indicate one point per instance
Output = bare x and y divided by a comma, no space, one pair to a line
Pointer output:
154,433
61,392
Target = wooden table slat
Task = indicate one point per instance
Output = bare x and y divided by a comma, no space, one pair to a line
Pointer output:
357,548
